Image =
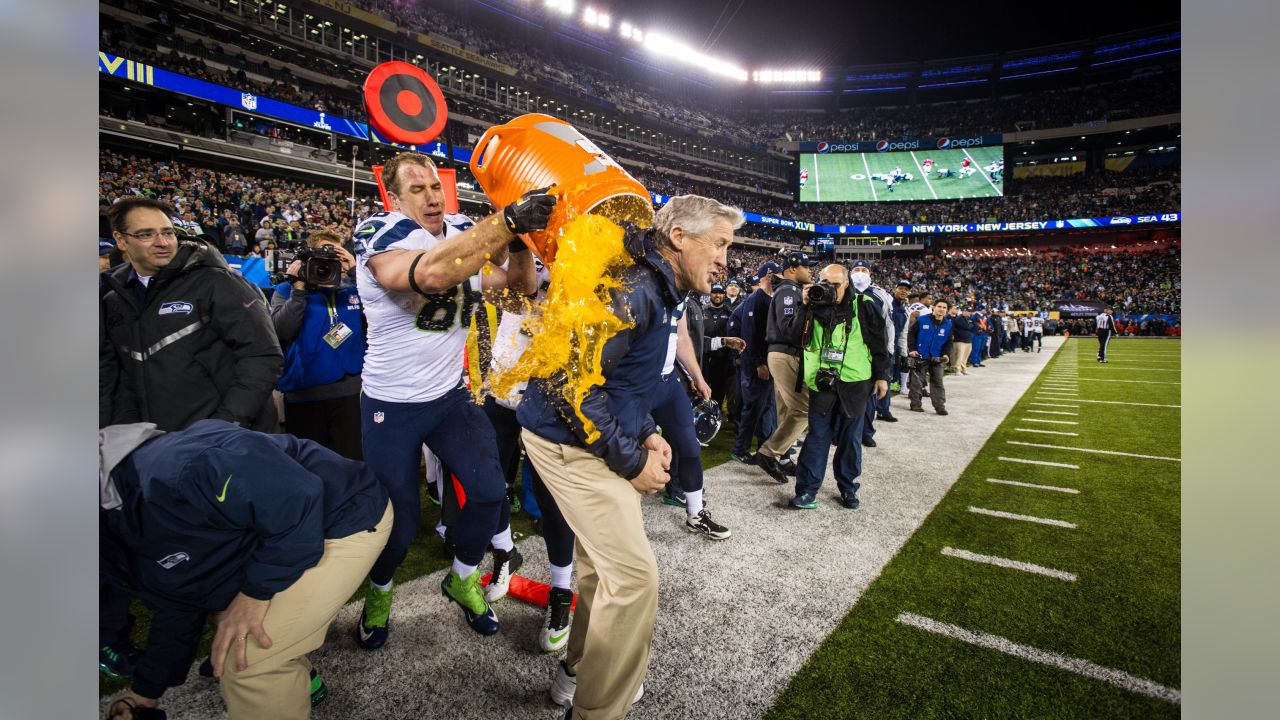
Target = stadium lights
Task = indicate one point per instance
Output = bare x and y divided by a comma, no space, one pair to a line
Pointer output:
630,32
596,18
787,76
671,48
564,6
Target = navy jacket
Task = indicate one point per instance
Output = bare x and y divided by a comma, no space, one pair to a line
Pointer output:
962,329
750,321
784,331
215,510
631,363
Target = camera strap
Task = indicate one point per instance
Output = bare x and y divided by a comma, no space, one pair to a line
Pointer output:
828,354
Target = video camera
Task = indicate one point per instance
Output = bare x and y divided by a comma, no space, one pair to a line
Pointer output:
321,266
821,294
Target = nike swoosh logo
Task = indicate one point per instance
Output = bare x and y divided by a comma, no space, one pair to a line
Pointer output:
364,635
557,638
223,495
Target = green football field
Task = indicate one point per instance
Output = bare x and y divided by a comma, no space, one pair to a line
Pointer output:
847,177
1046,582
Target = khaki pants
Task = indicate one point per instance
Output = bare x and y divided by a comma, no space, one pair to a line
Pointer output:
276,685
793,405
617,577
960,356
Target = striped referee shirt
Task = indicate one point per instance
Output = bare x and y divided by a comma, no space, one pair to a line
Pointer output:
1104,322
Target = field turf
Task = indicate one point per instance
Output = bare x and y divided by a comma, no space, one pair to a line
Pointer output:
846,177
1095,631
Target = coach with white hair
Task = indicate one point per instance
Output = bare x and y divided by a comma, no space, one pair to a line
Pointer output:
598,481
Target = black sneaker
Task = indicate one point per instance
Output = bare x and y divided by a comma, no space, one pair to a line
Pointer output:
117,661
505,564
850,499
789,468
886,417
555,631
704,525
770,466
942,412
916,409
868,442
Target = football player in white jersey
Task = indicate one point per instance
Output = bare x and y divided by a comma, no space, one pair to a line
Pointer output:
417,274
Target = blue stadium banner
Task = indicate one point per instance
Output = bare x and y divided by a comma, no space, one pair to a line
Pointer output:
866,146
947,228
126,69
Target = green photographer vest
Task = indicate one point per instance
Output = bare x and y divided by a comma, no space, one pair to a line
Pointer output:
847,338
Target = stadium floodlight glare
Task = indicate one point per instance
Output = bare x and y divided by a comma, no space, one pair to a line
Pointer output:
787,76
565,7
669,47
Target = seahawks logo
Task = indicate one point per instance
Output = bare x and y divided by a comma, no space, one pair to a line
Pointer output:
369,229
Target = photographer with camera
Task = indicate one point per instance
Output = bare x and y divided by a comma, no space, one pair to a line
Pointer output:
845,360
931,346
317,316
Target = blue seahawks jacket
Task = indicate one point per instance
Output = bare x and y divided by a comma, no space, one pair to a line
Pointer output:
631,363
931,338
215,510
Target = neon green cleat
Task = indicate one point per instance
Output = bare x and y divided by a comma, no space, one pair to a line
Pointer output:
467,593
375,618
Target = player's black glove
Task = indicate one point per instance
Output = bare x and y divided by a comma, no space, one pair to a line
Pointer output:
531,212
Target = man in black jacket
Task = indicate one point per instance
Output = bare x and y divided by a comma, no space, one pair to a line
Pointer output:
182,340
718,367
784,335
192,339
274,535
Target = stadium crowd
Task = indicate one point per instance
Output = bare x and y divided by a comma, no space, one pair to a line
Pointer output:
217,204
1150,94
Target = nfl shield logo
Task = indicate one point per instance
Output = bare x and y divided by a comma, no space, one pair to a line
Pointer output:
379,417
249,101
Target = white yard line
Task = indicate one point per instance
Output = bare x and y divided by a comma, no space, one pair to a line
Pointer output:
1027,461
1053,488
1009,564
1023,518
1144,382
1053,412
1045,404
1046,432
1120,402
817,183
1142,369
1118,678
923,174
983,173
1094,451
870,182
1055,422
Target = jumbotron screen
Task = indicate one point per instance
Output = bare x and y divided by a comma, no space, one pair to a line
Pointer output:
888,176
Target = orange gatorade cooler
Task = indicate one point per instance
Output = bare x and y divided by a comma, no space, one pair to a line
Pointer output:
536,150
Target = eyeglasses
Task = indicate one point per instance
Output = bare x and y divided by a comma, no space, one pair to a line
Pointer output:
169,233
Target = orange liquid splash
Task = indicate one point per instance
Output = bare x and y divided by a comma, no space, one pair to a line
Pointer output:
576,319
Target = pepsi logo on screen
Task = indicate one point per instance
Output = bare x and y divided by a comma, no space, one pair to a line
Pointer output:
944,143
882,145
823,147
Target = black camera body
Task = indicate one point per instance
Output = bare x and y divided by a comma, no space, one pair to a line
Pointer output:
321,266
821,294
826,378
